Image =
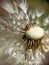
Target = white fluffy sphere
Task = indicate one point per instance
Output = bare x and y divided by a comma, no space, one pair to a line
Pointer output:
35,32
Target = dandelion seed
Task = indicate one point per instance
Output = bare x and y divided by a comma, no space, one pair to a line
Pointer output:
24,6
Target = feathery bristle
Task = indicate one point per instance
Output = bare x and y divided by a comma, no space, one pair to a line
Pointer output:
7,5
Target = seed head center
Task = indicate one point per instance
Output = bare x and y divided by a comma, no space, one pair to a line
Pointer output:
35,33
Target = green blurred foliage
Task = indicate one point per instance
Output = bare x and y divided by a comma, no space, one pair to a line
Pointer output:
38,3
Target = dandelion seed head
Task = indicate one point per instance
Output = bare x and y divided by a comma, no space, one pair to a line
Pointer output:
13,43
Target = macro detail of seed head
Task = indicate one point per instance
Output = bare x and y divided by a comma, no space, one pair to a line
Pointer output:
35,33
24,33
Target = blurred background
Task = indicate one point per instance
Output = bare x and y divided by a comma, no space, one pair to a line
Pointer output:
38,3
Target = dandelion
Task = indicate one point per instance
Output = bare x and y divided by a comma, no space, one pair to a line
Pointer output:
23,37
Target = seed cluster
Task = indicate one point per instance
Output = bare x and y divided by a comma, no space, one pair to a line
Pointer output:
31,43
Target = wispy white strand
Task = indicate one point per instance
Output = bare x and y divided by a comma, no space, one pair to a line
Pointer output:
3,21
20,15
23,5
40,12
7,6
16,8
